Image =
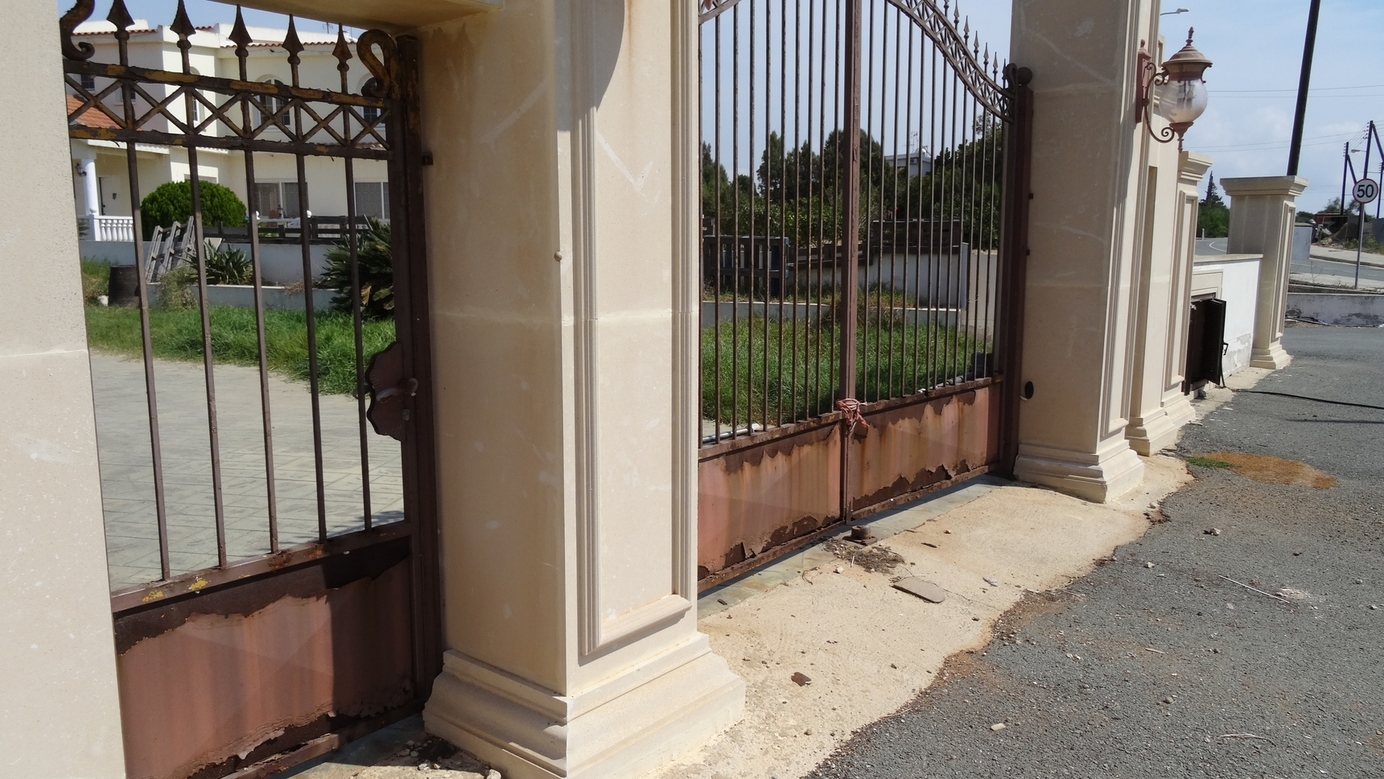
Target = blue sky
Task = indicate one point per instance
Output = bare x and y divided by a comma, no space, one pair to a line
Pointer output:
1256,46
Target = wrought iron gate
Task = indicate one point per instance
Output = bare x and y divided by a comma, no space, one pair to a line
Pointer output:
864,207
272,542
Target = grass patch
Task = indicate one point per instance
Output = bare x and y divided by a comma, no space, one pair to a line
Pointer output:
96,279
177,335
1208,462
894,359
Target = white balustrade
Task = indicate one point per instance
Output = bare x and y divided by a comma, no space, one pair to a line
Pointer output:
110,228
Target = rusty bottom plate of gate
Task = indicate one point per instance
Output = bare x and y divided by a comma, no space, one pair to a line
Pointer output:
219,682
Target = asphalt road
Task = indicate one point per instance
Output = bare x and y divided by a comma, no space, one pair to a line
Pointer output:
1172,671
1340,269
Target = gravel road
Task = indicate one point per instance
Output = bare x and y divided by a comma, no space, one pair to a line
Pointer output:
1171,670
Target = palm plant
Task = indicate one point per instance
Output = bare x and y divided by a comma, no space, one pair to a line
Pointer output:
375,268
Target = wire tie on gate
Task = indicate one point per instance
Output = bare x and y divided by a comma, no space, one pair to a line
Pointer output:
851,408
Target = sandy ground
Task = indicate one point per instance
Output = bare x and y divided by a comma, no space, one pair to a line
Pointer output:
869,648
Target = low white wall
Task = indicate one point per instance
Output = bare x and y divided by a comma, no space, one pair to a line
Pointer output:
1233,278
244,297
1338,308
280,263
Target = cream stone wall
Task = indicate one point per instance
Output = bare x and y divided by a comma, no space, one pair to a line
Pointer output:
60,717
1089,176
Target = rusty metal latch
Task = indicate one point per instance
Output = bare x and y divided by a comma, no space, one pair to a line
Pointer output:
388,388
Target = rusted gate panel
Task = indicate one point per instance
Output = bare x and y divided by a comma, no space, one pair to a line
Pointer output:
756,498
864,187
914,446
209,685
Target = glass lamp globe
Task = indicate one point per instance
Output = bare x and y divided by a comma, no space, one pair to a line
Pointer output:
1182,102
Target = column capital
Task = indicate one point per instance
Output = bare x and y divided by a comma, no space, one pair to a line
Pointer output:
1192,166
1251,186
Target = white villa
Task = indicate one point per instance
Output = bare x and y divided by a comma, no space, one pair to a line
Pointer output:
100,169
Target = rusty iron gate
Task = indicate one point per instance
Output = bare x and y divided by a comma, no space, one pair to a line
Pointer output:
272,540
864,181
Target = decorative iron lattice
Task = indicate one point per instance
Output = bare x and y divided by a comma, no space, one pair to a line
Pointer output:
236,114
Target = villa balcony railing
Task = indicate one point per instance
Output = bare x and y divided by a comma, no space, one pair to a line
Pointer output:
108,228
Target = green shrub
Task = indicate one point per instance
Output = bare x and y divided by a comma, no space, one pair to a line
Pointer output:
96,279
172,202
375,262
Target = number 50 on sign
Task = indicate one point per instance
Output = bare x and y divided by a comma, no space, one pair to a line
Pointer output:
1366,190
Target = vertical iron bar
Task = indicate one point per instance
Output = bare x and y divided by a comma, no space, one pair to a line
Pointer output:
736,241
957,231
719,259
122,37
357,326
1014,256
768,198
867,158
934,224
409,241
753,248
782,271
846,312
905,377
798,241
1304,80
256,265
304,237
204,301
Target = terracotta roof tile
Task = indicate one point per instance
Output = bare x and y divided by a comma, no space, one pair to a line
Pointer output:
92,117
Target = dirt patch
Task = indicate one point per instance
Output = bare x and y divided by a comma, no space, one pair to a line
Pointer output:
877,557
1274,470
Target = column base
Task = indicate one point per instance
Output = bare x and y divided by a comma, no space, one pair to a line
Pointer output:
1178,408
621,727
1272,358
1150,436
1094,477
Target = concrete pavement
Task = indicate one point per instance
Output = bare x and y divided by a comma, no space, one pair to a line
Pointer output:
1157,664
127,475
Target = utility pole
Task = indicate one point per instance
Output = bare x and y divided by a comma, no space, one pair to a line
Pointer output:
1295,150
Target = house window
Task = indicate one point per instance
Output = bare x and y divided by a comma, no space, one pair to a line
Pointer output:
277,199
88,81
371,114
276,106
372,199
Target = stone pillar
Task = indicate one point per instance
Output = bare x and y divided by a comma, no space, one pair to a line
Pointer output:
562,214
1151,427
91,189
1191,168
61,712
1262,210
1088,171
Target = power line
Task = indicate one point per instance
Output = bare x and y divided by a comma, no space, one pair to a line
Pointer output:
1292,91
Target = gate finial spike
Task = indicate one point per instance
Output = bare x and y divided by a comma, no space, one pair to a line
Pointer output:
182,25
342,51
240,35
292,44
120,16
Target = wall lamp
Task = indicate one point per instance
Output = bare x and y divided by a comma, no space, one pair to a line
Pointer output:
1182,97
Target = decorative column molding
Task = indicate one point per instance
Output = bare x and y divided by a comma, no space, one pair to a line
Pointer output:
91,189
1192,167
1262,212
562,207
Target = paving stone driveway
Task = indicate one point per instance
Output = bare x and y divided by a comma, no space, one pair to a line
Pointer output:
127,477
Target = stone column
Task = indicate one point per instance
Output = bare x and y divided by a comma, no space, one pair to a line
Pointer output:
562,213
1262,210
1087,182
61,712
91,189
1191,168
1150,426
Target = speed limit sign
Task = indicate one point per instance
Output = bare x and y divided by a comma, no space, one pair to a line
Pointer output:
1366,190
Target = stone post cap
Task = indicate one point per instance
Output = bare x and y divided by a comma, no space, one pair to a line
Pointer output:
1192,166
1289,186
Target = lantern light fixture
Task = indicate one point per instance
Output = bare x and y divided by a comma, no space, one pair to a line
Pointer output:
1182,90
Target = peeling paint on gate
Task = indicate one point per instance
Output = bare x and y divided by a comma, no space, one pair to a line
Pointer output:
766,497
